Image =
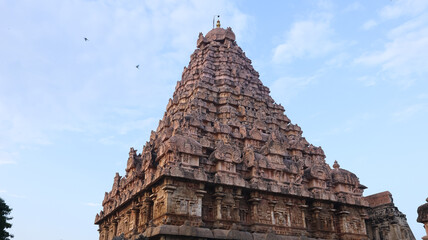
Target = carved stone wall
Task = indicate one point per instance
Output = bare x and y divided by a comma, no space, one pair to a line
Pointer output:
226,162
385,220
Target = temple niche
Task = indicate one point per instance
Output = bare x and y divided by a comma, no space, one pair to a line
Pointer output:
225,162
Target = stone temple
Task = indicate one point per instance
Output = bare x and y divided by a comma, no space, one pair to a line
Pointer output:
226,163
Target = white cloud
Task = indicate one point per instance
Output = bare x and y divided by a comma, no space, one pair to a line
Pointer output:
403,7
7,156
53,81
411,25
349,125
409,112
369,24
285,88
368,81
90,204
309,38
325,5
9,194
355,6
403,57
143,124
338,60
4,162
423,96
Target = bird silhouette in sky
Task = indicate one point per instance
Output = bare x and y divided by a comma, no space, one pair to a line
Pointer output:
86,39
138,66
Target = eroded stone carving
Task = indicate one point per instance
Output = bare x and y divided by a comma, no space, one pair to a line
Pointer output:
226,162
423,217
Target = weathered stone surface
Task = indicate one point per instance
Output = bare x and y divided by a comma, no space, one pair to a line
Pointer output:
423,217
385,220
226,163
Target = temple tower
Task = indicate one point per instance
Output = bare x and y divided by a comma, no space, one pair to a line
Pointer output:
226,163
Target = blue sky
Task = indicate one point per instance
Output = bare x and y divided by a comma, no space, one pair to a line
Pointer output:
352,74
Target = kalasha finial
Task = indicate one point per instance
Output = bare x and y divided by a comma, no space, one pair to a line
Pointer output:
336,165
218,21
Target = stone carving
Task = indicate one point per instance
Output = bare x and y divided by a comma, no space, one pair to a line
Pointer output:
225,162
423,217
385,220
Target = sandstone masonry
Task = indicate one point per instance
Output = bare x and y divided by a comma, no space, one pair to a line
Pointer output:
226,163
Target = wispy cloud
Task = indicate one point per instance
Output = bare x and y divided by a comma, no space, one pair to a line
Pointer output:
402,59
4,162
355,6
54,82
338,60
13,195
90,204
403,7
8,157
350,124
368,81
143,124
285,88
409,112
309,38
369,24
17,195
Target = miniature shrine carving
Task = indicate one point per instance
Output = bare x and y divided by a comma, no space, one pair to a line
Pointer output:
226,163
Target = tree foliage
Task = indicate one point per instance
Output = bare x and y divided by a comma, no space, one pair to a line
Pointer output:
4,218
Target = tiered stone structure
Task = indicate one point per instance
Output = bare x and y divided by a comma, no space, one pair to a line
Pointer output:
226,163
385,220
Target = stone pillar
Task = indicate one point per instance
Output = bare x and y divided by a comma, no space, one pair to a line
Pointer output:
134,219
343,221
114,224
145,211
396,231
272,210
333,211
254,201
289,206
238,196
200,194
127,225
169,190
423,217
317,211
219,194
376,233
303,208
152,211
106,231
143,215
112,230
218,199
364,217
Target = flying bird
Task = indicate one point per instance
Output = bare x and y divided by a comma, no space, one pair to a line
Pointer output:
86,39
138,66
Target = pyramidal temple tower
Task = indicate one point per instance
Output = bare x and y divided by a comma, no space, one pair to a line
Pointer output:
226,163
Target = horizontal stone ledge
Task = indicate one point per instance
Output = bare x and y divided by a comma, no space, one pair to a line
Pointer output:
206,233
